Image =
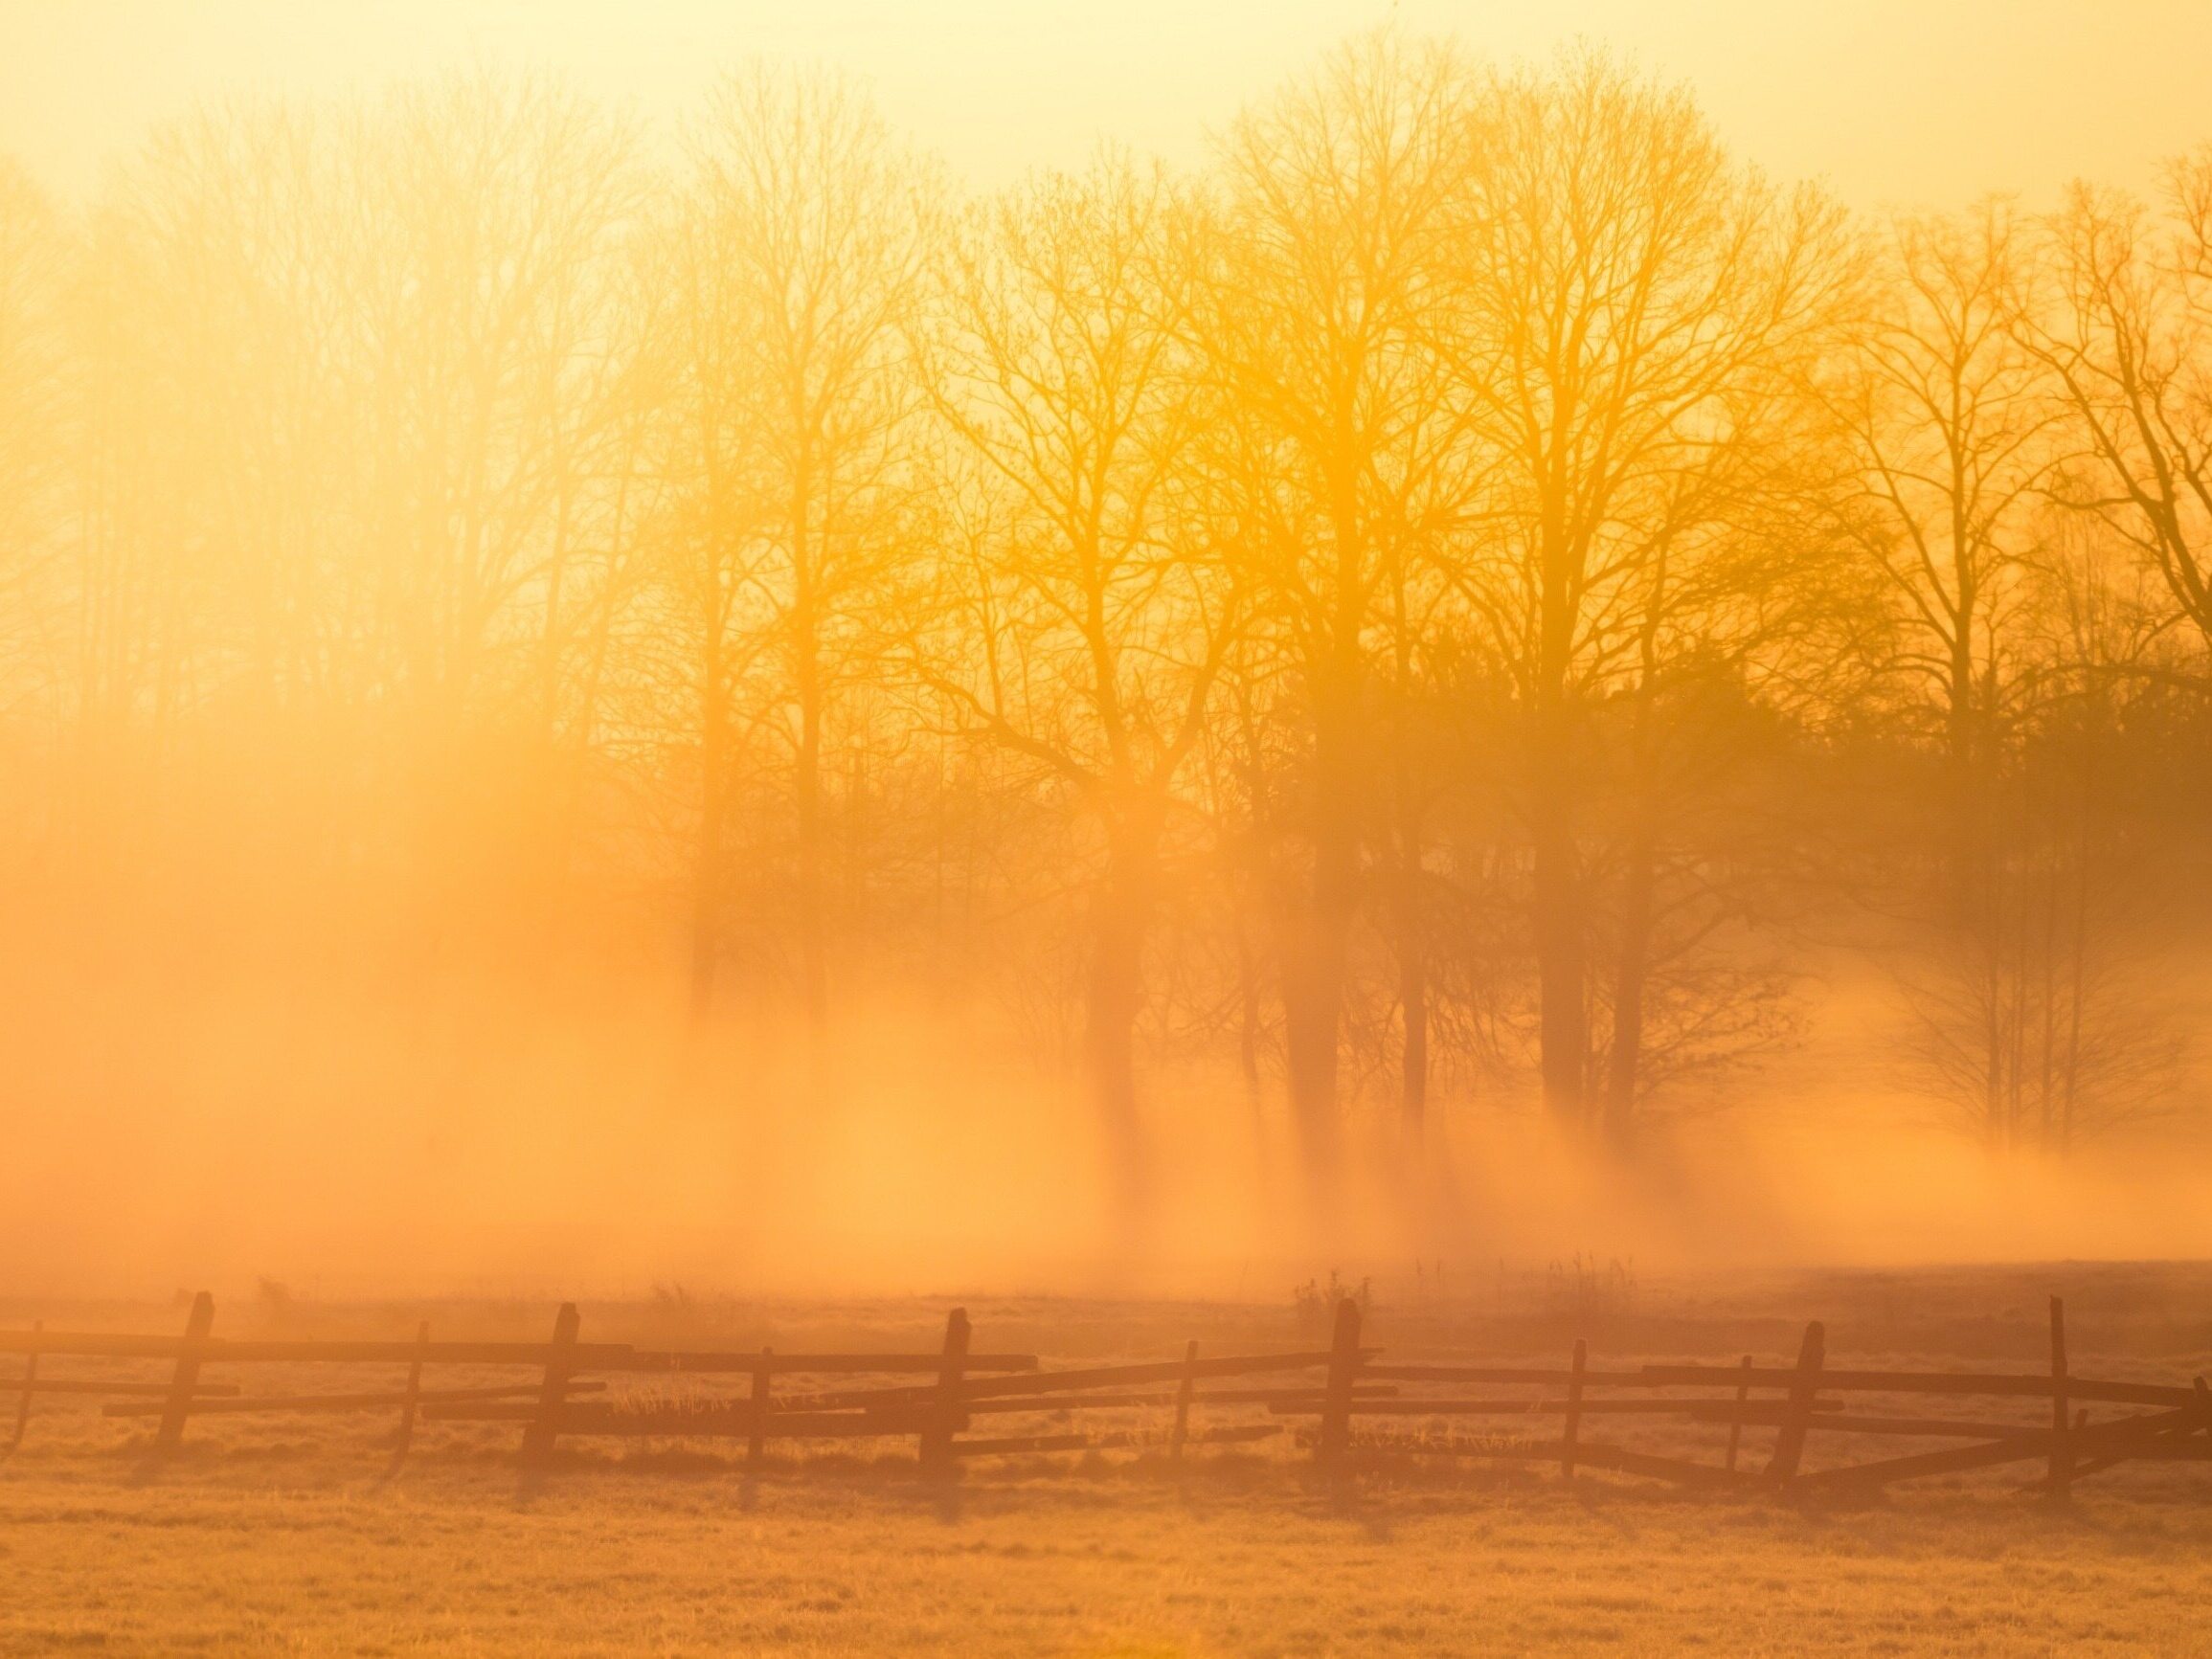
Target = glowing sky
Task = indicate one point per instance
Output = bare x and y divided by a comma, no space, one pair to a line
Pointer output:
1923,101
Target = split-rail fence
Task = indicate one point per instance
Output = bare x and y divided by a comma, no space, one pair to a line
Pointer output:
1341,1401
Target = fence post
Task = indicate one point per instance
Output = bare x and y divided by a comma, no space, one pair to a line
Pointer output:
948,1420
187,1375
1182,1432
2062,1474
30,1376
1334,1441
757,1442
537,1440
414,1401
1736,1423
1804,1388
1574,1431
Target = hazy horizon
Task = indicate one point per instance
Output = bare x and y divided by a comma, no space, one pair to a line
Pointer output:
1889,103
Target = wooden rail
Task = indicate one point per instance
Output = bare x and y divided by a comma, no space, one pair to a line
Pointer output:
1336,1389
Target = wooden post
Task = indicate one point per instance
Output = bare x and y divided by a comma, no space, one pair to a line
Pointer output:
537,1440
1804,1388
1334,1441
1183,1389
30,1376
1574,1431
1736,1423
414,1399
2062,1475
187,1375
937,1441
757,1442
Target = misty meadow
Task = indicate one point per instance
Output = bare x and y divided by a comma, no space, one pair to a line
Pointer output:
1470,724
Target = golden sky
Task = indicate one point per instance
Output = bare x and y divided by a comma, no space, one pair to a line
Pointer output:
1910,100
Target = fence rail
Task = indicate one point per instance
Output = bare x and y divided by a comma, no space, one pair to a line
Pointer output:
1334,1390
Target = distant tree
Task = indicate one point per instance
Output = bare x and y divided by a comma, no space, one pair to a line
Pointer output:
1629,310
2126,339
36,252
1319,314
1951,435
1085,626
477,297
2044,1016
219,478
704,633
823,221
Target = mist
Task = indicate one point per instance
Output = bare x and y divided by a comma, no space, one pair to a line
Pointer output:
593,699
575,1132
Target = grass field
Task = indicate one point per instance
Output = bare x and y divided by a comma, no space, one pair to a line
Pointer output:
283,1536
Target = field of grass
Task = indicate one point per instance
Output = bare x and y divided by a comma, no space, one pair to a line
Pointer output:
283,1535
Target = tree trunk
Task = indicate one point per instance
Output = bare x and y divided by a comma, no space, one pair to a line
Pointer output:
1407,892
1563,1020
707,866
1412,994
1316,938
1973,892
1414,1062
1247,1013
2078,955
1628,994
1564,1027
1115,998
806,644
1312,993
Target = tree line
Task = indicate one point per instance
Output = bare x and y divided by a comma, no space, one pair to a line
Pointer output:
1475,594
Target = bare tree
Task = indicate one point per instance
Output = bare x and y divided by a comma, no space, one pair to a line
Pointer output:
34,397
2126,339
706,630
1320,313
1633,306
2045,1018
1094,615
824,222
1951,438
211,480
480,282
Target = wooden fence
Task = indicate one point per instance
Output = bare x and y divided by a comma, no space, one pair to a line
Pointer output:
1341,1400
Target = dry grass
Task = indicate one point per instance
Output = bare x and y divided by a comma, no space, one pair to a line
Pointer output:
606,1558
278,1536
